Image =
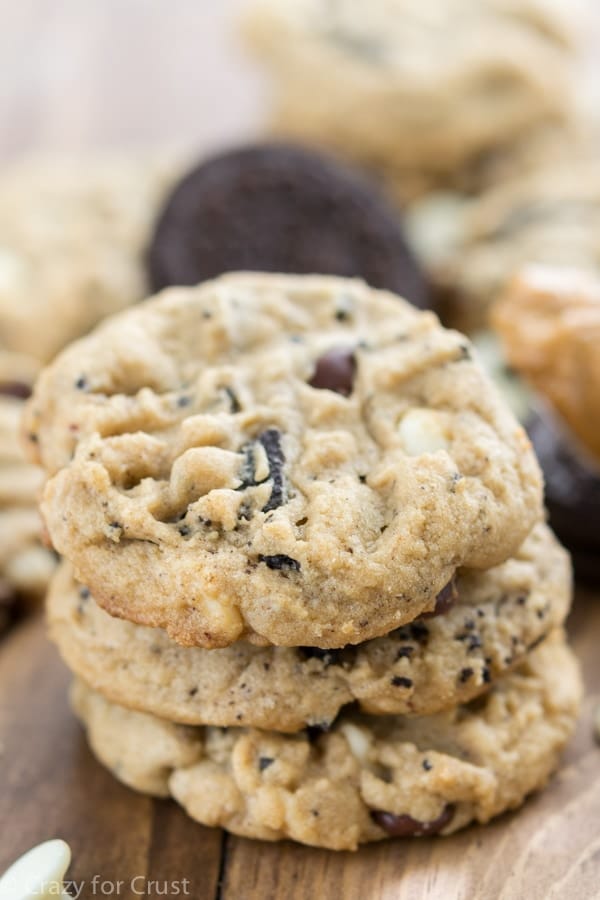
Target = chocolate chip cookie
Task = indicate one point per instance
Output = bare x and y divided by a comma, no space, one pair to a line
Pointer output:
367,779
421,92
482,627
549,216
72,238
302,461
281,208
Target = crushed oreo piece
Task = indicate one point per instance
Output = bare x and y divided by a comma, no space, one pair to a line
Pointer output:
328,657
264,762
280,561
271,443
401,681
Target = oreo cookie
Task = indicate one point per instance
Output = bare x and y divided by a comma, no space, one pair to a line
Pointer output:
572,495
281,208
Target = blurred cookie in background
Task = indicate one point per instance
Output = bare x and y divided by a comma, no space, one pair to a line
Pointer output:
72,239
550,215
72,236
25,564
422,110
549,322
275,207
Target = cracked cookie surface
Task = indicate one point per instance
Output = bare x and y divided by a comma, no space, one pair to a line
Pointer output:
482,630
296,460
369,777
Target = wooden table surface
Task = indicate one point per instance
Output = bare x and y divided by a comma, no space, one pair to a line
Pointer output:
50,786
137,74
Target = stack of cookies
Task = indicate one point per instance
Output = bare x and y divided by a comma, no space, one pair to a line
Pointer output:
71,242
307,587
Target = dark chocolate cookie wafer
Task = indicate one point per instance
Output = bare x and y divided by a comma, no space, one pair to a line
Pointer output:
280,208
572,495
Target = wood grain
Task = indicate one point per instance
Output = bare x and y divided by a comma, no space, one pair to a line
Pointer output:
51,786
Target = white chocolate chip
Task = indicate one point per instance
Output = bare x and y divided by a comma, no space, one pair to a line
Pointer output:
223,616
422,431
262,470
13,274
39,874
358,740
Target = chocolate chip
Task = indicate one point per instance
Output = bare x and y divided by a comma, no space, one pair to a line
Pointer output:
401,681
334,371
405,651
444,601
280,561
427,765
264,762
465,674
406,826
17,389
81,383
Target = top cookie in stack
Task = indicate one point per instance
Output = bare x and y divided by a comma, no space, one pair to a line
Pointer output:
292,461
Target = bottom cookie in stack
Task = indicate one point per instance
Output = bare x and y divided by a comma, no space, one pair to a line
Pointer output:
367,778
452,718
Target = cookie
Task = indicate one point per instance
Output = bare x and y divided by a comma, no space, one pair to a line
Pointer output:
365,780
549,322
302,461
418,92
482,629
72,237
572,494
550,216
280,208
25,564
